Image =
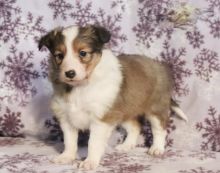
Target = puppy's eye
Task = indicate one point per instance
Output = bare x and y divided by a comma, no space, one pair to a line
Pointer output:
59,56
82,54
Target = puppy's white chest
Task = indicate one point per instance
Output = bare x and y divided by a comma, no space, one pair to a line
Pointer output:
83,106
80,110
78,116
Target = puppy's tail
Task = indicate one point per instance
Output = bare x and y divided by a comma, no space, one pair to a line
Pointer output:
175,107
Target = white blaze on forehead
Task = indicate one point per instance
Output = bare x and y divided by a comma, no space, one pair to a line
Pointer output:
70,34
71,62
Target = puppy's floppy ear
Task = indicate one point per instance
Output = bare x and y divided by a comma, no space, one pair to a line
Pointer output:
46,40
49,39
103,34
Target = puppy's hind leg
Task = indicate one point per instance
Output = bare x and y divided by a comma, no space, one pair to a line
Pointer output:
159,136
133,130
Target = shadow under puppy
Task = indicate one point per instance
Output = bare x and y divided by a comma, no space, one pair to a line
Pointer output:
95,90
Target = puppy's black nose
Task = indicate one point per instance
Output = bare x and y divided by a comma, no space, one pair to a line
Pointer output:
70,74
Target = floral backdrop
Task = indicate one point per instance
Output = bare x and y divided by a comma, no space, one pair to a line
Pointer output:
184,34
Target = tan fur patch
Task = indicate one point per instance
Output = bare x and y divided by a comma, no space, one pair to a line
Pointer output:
146,89
83,43
59,50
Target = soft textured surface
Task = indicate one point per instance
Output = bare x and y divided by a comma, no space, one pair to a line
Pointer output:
189,45
33,156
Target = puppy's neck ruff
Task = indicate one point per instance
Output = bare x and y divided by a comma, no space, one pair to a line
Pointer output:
108,68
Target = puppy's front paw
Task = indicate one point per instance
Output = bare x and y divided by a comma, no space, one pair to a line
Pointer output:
63,159
156,150
88,164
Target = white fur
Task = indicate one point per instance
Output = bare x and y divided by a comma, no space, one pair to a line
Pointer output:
159,137
70,62
179,112
70,142
99,135
133,132
85,105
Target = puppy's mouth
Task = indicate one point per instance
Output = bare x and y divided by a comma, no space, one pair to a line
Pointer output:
73,82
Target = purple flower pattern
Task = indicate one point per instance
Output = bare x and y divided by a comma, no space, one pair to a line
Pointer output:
10,163
206,62
185,48
113,161
10,124
44,64
33,27
118,4
199,170
150,13
210,129
60,8
111,22
195,38
171,155
117,162
8,141
215,28
13,27
175,59
55,132
203,155
83,15
19,73
8,8
211,17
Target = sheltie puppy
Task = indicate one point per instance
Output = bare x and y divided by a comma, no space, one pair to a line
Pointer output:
95,90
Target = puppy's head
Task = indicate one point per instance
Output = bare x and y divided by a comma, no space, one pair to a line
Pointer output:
75,51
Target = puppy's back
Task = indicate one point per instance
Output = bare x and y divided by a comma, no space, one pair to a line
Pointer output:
147,70
146,86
